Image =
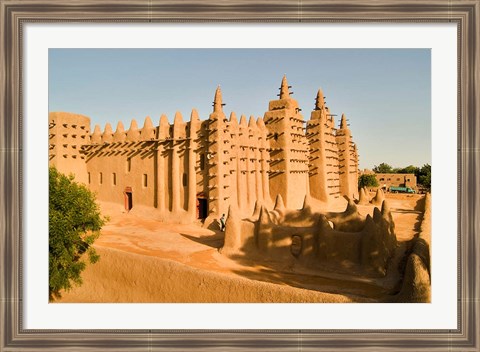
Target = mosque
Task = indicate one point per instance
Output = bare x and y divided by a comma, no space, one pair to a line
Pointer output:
197,169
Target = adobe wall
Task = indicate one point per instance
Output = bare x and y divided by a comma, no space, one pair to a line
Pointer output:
67,134
416,285
153,163
397,180
314,240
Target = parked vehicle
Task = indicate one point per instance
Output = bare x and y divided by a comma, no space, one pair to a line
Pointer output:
401,190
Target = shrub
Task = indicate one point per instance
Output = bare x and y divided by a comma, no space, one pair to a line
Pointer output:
367,180
74,224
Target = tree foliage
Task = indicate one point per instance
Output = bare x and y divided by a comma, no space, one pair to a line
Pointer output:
367,180
425,176
410,169
74,224
383,168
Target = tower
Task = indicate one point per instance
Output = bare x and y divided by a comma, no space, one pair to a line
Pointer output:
218,158
347,160
324,165
318,135
68,133
288,149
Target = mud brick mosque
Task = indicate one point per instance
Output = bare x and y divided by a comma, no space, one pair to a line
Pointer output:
197,169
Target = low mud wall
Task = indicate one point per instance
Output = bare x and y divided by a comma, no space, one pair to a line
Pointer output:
416,286
126,277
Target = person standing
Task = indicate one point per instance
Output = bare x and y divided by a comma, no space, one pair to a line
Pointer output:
222,223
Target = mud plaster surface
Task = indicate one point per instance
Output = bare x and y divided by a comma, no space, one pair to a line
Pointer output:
134,250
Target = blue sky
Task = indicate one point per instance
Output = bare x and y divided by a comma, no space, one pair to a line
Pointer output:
385,93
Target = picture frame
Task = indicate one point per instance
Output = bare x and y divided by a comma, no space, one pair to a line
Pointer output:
15,14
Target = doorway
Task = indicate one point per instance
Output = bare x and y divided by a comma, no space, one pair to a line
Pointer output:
128,198
202,207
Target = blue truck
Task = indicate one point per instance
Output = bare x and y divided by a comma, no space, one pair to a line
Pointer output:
401,190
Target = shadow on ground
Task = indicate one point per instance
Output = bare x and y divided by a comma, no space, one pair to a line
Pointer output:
214,241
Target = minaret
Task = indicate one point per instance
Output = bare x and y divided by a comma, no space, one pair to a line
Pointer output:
343,123
288,149
218,159
347,160
217,101
320,101
285,88
319,141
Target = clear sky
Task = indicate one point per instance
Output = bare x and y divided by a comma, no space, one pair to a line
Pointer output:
385,93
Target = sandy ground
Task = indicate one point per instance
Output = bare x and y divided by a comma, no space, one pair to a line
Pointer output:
144,260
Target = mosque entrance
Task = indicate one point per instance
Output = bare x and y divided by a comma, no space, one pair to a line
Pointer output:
202,206
128,198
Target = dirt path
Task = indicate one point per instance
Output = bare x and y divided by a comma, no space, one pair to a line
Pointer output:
407,212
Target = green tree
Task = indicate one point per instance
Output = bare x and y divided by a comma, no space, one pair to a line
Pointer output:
410,169
425,176
367,180
383,168
74,224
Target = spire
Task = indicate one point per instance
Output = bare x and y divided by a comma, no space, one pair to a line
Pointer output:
133,125
119,135
284,89
251,122
164,127
233,119
97,130
107,134
108,128
343,123
133,133
261,124
243,121
164,121
194,116
97,135
319,100
148,131
148,123
178,119
120,128
217,101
